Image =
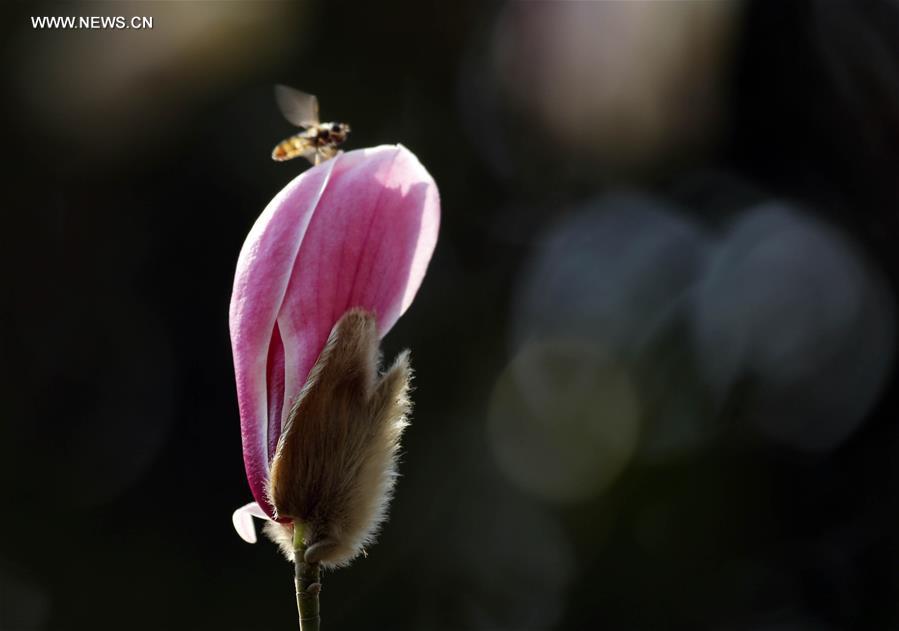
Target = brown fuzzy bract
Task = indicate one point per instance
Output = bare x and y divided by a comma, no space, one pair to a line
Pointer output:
335,465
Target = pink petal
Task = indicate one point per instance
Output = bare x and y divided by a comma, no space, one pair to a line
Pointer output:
263,271
356,231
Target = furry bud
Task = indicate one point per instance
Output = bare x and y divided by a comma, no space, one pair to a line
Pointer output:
335,464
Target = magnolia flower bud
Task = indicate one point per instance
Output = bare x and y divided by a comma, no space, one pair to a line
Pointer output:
325,272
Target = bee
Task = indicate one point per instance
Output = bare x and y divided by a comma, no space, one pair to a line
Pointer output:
318,141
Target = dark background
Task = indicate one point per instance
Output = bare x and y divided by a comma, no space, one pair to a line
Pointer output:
654,350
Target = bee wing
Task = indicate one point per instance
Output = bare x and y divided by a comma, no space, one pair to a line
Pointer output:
299,108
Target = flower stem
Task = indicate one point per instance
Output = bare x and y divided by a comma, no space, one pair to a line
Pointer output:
308,582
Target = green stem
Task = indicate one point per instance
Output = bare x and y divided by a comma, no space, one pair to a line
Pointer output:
308,582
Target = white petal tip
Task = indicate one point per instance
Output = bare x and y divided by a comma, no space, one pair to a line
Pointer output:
243,521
